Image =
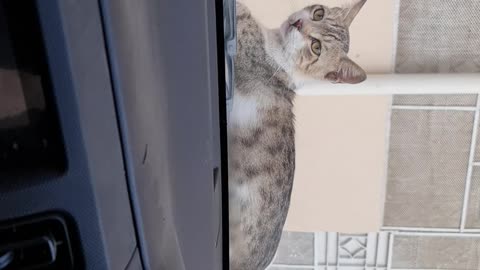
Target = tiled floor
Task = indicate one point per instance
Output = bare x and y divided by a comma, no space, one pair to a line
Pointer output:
334,251
380,251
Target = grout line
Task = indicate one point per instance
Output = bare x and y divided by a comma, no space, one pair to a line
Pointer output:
338,251
419,229
396,24
292,266
472,231
390,251
434,108
297,266
366,252
375,261
388,131
427,230
471,159
315,250
476,163
354,234
443,234
358,267
353,267
326,251
416,269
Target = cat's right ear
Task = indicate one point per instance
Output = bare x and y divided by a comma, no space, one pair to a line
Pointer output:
348,72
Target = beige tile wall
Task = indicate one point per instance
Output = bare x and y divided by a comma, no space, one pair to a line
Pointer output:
341,155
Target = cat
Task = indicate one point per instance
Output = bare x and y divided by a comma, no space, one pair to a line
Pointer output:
311,44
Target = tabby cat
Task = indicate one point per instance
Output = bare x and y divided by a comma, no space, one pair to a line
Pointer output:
311,44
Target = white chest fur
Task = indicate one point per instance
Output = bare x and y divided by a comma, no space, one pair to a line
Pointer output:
244,112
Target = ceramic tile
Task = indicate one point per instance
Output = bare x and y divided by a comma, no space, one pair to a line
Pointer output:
427,168
414,252
295,248
473,210
438,36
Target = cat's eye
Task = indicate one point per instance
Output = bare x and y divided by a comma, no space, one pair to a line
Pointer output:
318,14
316,47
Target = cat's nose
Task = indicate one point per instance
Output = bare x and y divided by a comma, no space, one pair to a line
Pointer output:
298,24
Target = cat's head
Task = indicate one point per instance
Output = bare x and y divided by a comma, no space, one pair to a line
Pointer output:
318,40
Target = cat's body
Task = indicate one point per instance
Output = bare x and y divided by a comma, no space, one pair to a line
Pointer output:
261,143
261,133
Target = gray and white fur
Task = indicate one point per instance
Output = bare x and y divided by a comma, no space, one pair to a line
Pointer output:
311,44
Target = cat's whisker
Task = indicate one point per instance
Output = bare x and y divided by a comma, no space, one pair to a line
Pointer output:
275,73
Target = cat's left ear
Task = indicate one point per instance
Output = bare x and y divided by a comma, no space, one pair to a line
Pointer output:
348,72
351,12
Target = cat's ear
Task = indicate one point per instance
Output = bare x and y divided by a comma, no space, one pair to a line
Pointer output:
351,12
348,72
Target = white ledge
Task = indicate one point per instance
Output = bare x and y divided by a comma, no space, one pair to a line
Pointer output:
388,84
